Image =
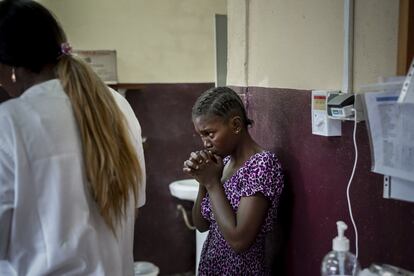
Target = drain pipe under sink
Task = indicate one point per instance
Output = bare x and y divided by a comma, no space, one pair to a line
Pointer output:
185,217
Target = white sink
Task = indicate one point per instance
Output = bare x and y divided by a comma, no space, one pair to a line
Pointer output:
186,189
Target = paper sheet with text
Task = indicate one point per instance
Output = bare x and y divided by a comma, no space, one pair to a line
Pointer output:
391,128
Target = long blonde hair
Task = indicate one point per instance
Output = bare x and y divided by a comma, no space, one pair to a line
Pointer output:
112,166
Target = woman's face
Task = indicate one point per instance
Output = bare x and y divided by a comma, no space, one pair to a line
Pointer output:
216,133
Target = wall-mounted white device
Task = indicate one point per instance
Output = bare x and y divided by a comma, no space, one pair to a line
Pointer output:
340,105
321,123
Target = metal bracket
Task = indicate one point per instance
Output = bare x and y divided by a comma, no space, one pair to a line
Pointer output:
397,188
387,186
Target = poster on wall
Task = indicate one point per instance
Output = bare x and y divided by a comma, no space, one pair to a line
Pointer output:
103,62
391,132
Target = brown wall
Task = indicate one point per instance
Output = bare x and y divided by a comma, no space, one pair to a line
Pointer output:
164,112
317,171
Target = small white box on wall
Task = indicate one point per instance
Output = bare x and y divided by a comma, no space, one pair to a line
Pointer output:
321,123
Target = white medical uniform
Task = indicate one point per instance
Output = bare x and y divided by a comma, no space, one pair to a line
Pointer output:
49,224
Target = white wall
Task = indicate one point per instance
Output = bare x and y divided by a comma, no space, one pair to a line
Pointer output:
157,41
299,43
376,39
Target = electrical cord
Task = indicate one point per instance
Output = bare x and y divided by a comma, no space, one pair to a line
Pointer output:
350,181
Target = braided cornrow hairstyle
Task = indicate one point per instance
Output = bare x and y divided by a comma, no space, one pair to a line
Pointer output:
222,102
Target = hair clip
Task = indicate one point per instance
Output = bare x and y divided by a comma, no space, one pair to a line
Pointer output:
65,48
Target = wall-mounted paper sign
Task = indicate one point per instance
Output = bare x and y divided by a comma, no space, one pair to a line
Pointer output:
103,63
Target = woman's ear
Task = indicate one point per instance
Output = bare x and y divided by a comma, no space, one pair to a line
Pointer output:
236,124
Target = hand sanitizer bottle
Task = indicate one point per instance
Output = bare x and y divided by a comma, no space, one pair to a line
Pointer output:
340,261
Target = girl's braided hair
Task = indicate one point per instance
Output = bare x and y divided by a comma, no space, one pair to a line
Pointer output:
222,102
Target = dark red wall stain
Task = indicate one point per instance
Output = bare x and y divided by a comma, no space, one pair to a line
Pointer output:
317,170
164,111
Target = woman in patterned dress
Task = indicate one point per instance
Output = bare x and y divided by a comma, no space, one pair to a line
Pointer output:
240,187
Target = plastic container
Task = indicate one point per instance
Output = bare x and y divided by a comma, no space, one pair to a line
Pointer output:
340,261
145,269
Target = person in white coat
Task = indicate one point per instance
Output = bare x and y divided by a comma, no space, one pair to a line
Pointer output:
72,171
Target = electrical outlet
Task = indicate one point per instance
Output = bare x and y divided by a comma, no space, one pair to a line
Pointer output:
321,123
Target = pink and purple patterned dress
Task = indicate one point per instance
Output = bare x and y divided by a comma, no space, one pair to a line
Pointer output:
262,173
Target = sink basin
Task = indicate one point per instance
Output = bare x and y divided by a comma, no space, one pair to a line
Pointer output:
186,189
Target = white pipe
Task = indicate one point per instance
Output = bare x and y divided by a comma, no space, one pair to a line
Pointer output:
347,78
185,217
246,49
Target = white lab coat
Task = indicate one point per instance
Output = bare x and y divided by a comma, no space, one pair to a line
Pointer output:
49,224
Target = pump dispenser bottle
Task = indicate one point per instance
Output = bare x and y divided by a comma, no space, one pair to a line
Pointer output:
340,261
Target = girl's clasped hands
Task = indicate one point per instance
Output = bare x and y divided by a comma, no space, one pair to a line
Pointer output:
204,166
